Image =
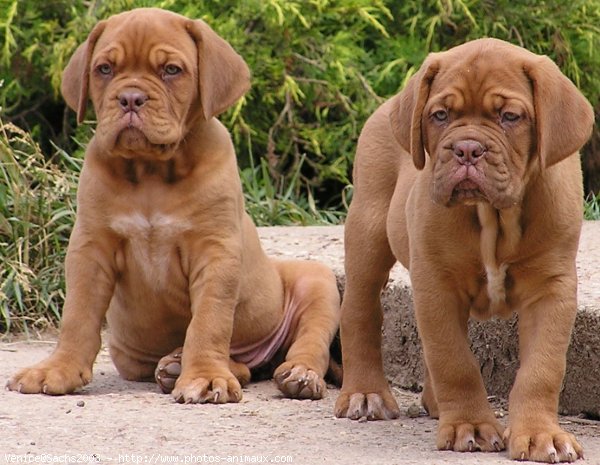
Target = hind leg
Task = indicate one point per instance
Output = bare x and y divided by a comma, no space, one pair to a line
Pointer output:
130,366
310,287
169,368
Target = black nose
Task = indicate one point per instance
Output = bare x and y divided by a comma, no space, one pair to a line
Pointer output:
468,152
132,100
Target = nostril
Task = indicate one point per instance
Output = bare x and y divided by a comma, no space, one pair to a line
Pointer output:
478,151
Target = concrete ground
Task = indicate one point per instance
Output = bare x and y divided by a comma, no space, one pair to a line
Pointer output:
115,421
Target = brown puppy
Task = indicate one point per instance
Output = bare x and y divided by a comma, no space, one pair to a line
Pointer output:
470,178
162,245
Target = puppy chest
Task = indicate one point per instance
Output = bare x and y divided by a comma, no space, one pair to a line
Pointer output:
149,250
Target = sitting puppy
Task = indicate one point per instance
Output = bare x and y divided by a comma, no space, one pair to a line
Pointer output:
162,245
470,178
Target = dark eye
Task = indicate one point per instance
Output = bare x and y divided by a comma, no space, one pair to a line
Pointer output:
172,70
104,69
510,117
440,116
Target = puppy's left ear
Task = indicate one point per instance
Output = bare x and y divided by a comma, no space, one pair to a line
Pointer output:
222,74
76,76
564,117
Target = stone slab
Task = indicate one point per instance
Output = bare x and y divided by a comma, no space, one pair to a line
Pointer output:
495,343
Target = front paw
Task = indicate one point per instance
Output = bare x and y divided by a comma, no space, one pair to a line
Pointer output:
53,377
299,382
379,405
467,436
212,388
548,444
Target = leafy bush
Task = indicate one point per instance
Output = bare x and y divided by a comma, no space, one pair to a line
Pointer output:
320,68
37,210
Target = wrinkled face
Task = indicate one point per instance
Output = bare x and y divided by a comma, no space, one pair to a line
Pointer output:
143,83
478,126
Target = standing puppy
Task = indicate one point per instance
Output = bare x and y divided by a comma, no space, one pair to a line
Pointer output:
470,178
162,245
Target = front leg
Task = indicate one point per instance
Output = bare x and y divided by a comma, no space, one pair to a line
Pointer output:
214,289
466,420
365,391
544,333
90,280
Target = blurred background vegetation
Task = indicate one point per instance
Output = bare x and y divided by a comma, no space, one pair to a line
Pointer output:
320,68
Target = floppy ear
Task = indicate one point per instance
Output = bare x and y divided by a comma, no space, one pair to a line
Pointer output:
76,76
407,110
564,118
222,74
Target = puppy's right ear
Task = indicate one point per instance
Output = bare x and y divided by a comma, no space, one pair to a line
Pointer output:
76,76
407,110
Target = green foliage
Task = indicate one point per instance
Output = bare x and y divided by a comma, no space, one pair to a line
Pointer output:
311,84
591,207
37,199
269,205
320,68
568,32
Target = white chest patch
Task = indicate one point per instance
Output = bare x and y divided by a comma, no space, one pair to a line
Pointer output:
152,241
496,277
492,222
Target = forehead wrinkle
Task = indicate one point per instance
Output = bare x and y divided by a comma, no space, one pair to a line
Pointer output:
163,51
137,38
471,89
450,98
112,53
